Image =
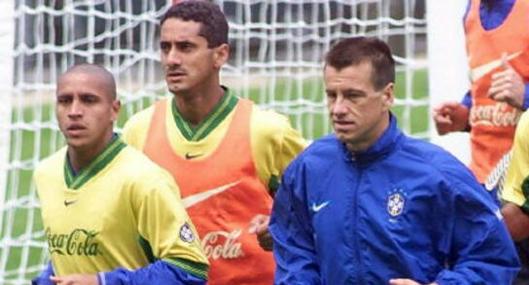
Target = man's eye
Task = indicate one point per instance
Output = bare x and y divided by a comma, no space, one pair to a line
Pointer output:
63,100
165,46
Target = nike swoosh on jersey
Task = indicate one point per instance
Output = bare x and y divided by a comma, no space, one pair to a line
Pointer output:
199,197
191,156
317,208
68,203
479,71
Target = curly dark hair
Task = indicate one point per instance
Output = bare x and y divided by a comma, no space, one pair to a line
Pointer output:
214,27
353,51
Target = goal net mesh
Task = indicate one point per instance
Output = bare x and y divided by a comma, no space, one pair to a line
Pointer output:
276,60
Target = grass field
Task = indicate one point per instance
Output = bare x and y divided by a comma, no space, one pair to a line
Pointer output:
21,219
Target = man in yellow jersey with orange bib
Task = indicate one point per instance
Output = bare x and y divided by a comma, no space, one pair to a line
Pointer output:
224,152
497,40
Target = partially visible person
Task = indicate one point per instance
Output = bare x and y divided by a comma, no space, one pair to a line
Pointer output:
515,194
369,205
497,43
110,215
516,190
225,153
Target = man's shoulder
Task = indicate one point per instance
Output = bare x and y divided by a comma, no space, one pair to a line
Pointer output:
141,117
135,165
136,127
437,161
268,119
269,126
426,150
322,150
523,123
52,163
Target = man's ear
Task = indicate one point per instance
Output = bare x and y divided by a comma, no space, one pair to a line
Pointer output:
221,55
116,106
388,95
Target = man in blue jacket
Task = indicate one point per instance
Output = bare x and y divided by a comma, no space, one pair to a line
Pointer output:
369,205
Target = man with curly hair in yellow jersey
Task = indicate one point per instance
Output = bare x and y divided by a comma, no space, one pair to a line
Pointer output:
111,216
224,152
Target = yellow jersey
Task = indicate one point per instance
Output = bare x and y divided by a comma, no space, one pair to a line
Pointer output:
516,188
122,210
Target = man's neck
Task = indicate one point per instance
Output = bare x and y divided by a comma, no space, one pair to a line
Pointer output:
82,157
194,107
488,3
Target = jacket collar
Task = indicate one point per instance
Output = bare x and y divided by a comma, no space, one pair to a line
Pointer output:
384,145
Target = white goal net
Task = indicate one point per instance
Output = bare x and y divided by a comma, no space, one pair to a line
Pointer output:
277,48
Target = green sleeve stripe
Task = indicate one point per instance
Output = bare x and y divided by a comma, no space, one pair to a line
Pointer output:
525,191
147,249
273,185
195,268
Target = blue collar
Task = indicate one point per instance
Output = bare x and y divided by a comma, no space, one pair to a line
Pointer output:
492,13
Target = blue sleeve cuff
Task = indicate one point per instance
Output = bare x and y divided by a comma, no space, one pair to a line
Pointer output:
467,100
44,276
101,278
525,105
159,272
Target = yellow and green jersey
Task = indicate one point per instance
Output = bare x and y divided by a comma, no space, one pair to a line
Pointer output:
274,143
122,210
516,189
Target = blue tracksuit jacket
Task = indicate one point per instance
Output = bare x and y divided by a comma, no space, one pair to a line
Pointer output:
402,209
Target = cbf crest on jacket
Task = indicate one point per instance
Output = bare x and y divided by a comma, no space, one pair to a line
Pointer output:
402,209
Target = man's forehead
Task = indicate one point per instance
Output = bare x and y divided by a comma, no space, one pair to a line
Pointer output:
86,75
177,26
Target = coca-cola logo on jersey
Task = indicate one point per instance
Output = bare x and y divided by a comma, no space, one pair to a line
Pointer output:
498,115
77,242
223,244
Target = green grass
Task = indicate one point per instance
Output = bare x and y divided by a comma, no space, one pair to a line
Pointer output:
29,146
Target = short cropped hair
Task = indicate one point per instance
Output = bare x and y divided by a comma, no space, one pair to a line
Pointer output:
97,70
354,51
214,27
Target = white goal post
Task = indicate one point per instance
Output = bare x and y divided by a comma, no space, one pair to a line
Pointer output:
447,67
277,49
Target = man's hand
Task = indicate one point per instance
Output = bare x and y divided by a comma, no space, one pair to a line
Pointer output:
405,282
450,117
75,279
507,85
516,220
259,226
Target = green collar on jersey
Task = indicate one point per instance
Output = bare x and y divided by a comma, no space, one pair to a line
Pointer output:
75,181
224,107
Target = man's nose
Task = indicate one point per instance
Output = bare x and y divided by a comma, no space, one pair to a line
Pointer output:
174,57
338,106
76,109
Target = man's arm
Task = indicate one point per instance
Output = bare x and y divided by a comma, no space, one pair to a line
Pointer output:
516,220
516,187
159,272
168,235
283,144
479,248
290,228
451,117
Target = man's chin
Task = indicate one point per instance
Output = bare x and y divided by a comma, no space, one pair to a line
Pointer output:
343,136
176,89
76,142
